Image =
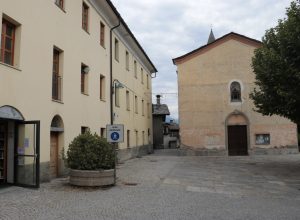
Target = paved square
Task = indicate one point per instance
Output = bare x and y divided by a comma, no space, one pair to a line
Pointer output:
171,187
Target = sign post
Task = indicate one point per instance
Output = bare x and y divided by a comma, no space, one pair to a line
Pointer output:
115,135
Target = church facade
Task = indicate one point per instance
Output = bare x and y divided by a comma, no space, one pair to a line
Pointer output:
216,115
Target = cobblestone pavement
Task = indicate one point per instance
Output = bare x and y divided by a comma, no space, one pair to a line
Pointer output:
170,187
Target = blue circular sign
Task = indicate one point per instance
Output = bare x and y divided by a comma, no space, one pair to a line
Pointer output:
115,136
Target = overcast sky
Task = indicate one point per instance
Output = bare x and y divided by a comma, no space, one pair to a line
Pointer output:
170,28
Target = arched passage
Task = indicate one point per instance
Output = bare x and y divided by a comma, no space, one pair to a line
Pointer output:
56,141
19,148
10,113
8,118
237,126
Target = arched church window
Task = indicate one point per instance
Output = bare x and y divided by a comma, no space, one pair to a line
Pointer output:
235,92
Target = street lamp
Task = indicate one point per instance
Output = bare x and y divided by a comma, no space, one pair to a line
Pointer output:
117,84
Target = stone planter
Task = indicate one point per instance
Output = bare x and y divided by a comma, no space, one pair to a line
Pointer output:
92,177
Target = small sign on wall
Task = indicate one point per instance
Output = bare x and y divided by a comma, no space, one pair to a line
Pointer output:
26,142
262,139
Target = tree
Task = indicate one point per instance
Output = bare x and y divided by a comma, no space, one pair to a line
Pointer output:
277,68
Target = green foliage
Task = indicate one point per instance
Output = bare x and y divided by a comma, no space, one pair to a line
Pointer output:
90,152
277,68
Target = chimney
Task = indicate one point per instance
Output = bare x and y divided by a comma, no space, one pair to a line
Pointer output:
158,99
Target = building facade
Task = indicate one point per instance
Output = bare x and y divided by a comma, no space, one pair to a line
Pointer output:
159,112
171,135
215,111
67,66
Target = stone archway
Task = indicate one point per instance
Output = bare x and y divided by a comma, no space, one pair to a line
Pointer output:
56,140
237,134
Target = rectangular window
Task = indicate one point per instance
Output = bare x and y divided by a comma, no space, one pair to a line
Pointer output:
60,3
147,81
143,137
85,16
117,97
149,136
128,138
116,50
148,110
135,69
84,130
7,42
127,60
142,75
128,100
103,132
102,87
136,138
84,79
166,130
262,139
102,34
143,108
136,104
56,76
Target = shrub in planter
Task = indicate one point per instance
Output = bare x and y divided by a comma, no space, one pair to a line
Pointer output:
90,158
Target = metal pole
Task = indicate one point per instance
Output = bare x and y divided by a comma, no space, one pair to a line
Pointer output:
116,161
111,96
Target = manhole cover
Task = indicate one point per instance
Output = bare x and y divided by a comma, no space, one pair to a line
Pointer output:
130,184
252,163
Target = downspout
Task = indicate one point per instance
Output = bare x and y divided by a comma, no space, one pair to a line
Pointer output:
111,73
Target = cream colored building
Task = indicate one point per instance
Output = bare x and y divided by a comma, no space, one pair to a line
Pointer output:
215,112
62,64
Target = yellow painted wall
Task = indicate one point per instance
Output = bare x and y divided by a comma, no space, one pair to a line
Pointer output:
28,85
204,99
133,121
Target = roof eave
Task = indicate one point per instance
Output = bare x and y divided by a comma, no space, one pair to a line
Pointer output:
153,69
161,114
175,60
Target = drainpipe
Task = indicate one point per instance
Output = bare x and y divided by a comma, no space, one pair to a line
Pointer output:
111,97
111,73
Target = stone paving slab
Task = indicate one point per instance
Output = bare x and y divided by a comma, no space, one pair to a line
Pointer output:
171,187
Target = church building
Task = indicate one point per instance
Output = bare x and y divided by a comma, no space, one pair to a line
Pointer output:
216,115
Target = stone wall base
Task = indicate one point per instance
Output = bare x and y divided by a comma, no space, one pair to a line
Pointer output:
202,152
45,171
275,151
133,152
188,151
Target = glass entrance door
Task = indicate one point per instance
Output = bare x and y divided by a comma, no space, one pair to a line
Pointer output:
3,148
27,154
